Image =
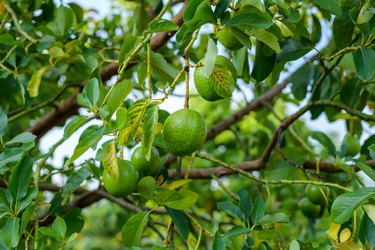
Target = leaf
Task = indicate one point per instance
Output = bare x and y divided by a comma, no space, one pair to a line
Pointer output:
86,141
251,16
64,19
202,15
224,81
48,231
36,78
245,202
221,7
209,61
343,29
11,155
273,218
181,200
127,46
180,220
31,195
73,125
300,80
75,179
345,204
264,62
146,187
56,54
330,5
258,210
3,123
9,233
92,91
371,149
133,228
364,61
333,231
25,218
25,137
294,245
191,9
345,234
350,92
162,25
267,38
7,39
110,162
242,37
160,66
324,140
150,121
218,243
117,95
20,179
366,169
366,230
230,209
292,49
59,227
236,230
134,118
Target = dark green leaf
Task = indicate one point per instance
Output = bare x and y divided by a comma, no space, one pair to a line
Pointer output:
191,9
251,16
11,155
9,232
343,28
75,180
264,62
231,209
364,60
7,39
31,195
133,228
146,187
367,230
133,119
350,92
344,205
221,7
180,220
20,179
3,123
301,80
25,218
218,243
118,95
64,19
330,5
371,149
324,140
245,202
150,121
236,230
162,25
127,46
209,61
242,37
292,49
258,210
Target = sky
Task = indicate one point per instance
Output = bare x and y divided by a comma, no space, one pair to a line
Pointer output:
174,103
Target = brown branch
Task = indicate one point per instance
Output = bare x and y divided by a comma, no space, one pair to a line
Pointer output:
69,106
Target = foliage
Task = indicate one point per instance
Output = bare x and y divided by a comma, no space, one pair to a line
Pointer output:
113,77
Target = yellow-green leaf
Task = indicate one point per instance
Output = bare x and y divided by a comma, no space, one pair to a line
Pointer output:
345,235
224,81
149,128
109,161
333,231
35,81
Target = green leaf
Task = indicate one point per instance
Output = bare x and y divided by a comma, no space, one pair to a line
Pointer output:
364,61
292,49
160,66
110,162
146,187
230,209
64,20
75,179
343,29
366,230
350,92
242,37
371,150
245,202
73,125
202,15
11,155
366,169
86,141
224,81
209,61
294,245
118,95
134,118
9,233
181,200
92,91
180,220
330,5
258,210
133,228
25,218
324,140
191,9
267,38
344,205
236,230
31,195
264,62
300,80
36,78
218,243
25,137
7,39
3,123
20,179
251,16
48,231
121,114
56,54
273,218
150,121
127,46
162,25
59,227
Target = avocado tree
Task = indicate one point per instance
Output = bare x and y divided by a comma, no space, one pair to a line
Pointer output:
198,114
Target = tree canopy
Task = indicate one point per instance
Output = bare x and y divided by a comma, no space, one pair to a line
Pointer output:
258,176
